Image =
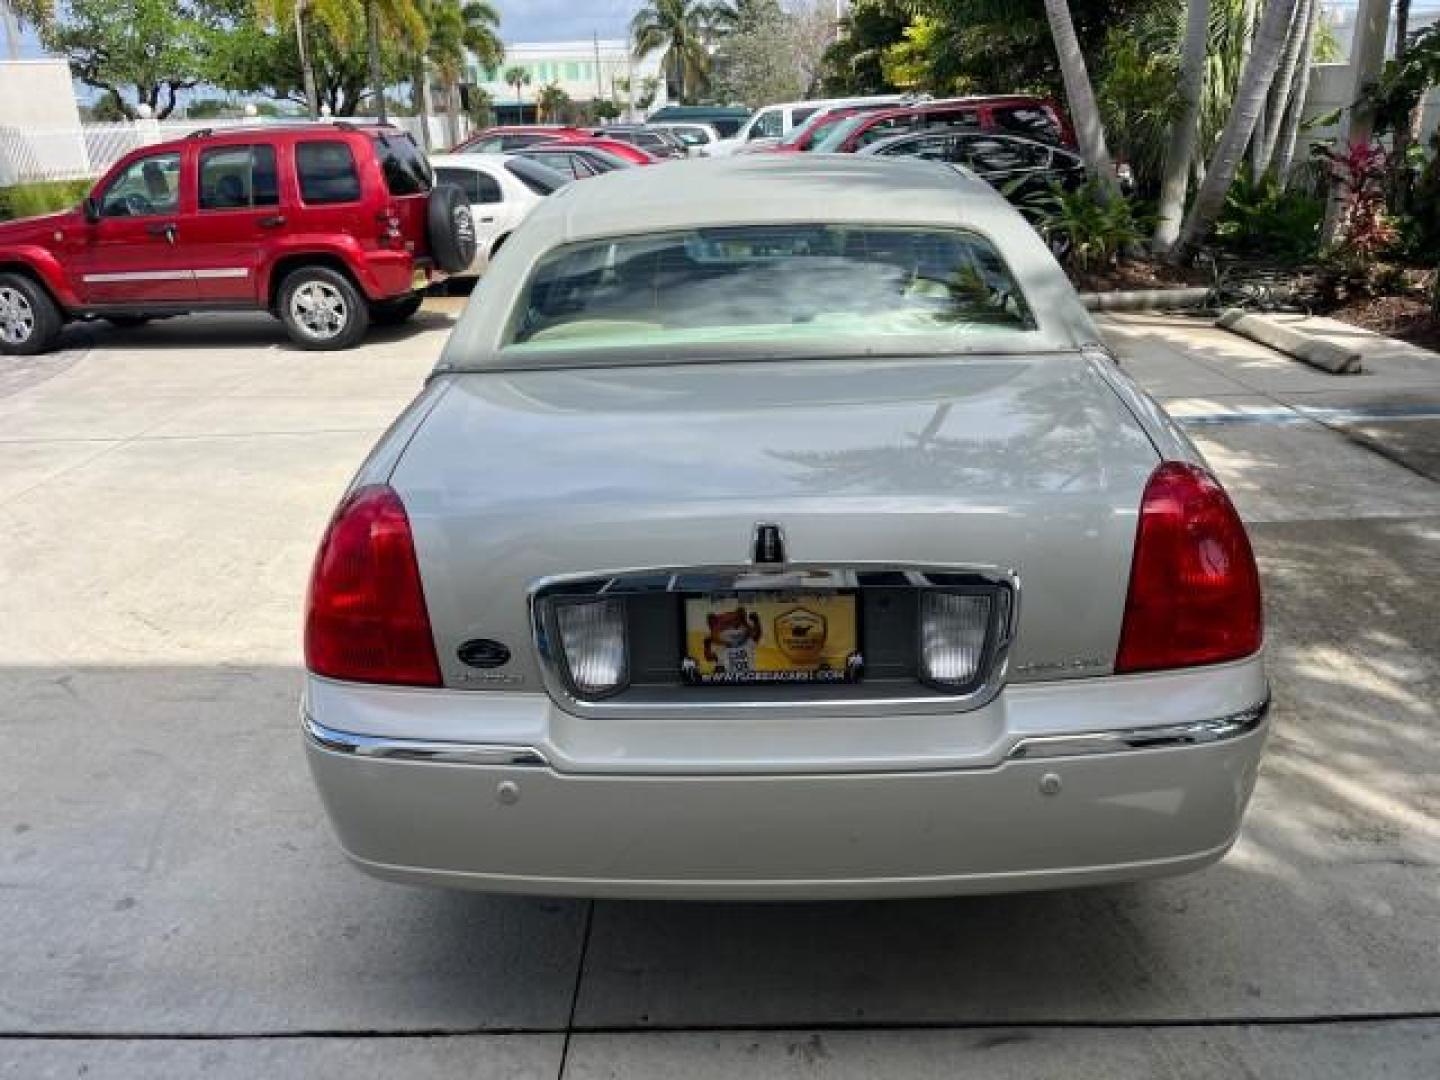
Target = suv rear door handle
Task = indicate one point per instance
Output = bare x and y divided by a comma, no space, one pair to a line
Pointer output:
162,228
273,221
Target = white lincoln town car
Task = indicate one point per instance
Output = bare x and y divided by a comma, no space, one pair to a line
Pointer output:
781,528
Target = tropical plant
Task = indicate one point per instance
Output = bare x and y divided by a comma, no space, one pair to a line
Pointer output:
458,28
649,87
1258,74
551,101
1086,227
1140,104
1291,122
519,78
1261,217
254,59
1267,134
402,18
679,30
1365,229
854,62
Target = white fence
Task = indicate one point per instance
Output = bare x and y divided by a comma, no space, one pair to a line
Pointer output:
36,154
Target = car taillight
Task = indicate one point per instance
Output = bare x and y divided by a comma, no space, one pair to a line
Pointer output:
365,619
390,226
1194,591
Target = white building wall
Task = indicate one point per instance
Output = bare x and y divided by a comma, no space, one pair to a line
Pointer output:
37,100
585,70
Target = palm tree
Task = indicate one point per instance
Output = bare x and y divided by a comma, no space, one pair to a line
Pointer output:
1186,132
337,17
1268,137
1255,82
679,28
403,18
458,27
1081,95
1295,101
518,77
551,101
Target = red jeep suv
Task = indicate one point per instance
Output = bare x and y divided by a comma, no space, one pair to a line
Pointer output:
328,227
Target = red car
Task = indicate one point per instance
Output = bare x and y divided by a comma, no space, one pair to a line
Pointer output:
804,137
1032,117
504,138
629,151
329,227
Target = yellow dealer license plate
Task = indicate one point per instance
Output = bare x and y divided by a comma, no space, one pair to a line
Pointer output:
771,637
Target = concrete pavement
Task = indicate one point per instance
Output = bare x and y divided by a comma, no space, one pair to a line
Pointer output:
166,873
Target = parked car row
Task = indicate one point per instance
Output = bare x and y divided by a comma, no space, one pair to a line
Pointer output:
332,227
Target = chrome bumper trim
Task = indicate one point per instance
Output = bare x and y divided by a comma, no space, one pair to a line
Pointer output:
374,746
1197,733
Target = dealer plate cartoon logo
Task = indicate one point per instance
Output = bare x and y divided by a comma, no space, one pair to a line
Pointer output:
801,635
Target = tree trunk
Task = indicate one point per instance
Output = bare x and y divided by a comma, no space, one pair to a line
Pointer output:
1367,57
377,80
420,100
1255,82
1186,133
1295,109
1399,175
1281,87
452,111
307,66
1081,96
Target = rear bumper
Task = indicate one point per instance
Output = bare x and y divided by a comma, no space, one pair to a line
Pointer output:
1105,807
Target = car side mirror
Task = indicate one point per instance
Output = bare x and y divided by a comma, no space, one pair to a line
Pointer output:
91,209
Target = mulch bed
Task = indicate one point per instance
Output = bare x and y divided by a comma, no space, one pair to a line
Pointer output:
1138,274
1405,317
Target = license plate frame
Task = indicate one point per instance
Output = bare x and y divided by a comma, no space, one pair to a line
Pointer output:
770,637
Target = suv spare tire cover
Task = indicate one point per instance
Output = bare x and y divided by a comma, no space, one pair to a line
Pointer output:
451,228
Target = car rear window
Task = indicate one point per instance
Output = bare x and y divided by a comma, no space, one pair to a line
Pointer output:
1031,120
767,283
327,172
540,179
405,168
479,187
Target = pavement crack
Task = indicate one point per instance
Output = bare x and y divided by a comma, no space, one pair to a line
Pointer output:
575,992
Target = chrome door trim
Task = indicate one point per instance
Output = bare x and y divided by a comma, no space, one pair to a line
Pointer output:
140,275
552,666
382,747
1195,733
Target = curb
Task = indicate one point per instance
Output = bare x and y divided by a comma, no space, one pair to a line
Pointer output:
1324,355
1146,299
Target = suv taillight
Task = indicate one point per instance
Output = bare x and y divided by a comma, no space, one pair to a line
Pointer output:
365,619
390,225
1194,591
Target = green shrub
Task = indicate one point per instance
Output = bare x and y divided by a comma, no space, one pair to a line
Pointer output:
1083,227
27,200
1261,219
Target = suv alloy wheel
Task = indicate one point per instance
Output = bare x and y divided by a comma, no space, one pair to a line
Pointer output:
321,309
29,319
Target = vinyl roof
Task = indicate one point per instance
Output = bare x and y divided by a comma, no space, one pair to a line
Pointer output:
767,188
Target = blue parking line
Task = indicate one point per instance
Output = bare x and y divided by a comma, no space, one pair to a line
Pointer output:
1323,414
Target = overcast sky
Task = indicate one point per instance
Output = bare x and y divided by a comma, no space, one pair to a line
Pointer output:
564,20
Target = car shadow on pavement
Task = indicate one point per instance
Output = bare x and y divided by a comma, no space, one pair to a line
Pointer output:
231,330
